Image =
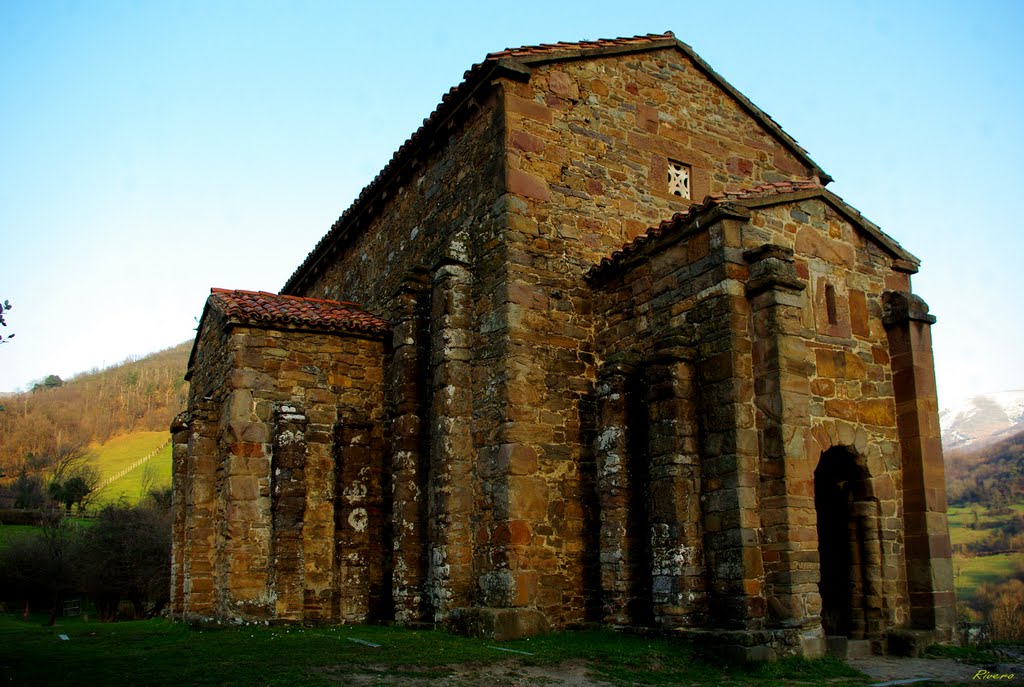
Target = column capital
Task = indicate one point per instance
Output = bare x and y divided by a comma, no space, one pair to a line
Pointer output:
772,268
900,306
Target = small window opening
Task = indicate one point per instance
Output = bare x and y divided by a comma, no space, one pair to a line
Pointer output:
678,179
830,304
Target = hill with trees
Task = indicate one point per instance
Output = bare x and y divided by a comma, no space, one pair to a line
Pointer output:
990,474
49,429
985,486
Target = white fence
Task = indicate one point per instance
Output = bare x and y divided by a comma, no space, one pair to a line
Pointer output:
137,464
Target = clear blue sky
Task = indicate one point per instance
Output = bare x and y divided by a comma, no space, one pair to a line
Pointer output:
151,150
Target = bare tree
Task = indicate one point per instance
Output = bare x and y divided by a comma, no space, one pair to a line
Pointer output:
74,482
58,537
148,479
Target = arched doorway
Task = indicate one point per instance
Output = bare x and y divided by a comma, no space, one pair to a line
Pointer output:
845,510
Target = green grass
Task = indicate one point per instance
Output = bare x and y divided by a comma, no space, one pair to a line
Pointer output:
120,452
971,573
983,653
960,531
158,653
9,533
962,517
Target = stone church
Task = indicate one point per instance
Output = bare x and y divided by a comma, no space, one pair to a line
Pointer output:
597,346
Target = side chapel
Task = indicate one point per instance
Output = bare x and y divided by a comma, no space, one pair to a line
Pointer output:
597,346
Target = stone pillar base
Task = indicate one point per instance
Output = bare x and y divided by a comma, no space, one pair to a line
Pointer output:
499,624
750,646
909,642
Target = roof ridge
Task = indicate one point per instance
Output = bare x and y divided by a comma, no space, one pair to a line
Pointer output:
307,299
560,46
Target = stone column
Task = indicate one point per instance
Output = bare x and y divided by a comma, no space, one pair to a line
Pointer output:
678,590
612,454
450,579
288,505
782,370
408,451
926,530
868,619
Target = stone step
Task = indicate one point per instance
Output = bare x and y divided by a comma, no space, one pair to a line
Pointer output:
844,647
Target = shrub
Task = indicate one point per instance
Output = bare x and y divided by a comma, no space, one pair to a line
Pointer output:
126,556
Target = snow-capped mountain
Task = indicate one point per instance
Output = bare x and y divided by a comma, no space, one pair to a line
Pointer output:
982,419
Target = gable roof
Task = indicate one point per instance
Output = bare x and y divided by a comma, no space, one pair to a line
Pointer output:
765,195
515,63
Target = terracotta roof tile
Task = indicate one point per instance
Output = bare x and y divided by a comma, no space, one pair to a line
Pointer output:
561,47
263,307
770,189
478,74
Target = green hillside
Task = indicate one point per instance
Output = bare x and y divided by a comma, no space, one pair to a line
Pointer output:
120,454
101,423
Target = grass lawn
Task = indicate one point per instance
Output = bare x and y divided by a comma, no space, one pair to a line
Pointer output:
120,452
156,653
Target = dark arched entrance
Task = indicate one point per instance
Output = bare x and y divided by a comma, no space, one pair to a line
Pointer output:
843,504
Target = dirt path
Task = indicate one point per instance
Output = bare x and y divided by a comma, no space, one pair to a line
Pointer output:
881,670
886,669
505,674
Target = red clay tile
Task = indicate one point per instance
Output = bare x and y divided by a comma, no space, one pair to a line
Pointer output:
264,307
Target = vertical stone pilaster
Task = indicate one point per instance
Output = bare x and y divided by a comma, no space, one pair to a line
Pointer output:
198,592
358,522
612,455
318,523
179,531
782,370
244,520
729,468
678,591
408,450
926,533
288,494
450,579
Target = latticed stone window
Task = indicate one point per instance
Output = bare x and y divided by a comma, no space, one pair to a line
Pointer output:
678,179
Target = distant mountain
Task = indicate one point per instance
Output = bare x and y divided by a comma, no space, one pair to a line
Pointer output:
982,419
